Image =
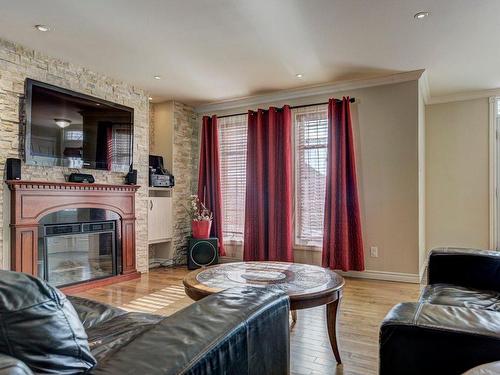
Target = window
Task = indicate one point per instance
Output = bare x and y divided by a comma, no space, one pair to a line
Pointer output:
310,155
233,155
121,147
73,135
311,137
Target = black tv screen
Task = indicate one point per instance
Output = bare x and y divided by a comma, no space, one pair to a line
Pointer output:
66,128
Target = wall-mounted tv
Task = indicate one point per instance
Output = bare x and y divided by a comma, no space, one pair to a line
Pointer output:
70,129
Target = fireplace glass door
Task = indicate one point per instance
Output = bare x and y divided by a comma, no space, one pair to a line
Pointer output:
79,252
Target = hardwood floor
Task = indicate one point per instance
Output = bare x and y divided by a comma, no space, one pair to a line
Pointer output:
363,307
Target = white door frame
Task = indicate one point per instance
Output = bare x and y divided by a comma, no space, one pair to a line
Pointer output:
494,165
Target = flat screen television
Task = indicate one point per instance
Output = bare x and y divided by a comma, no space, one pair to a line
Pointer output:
70,129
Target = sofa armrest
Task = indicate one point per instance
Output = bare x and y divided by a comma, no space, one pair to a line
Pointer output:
473,268
12,366
421,338
242,331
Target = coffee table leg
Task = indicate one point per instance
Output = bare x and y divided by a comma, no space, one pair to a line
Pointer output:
294,316
331,321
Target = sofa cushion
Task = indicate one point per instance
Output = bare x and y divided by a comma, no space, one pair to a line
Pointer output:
452,295
40,327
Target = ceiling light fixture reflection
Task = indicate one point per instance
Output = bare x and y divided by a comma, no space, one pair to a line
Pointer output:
62,122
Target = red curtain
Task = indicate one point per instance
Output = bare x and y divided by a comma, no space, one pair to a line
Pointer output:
342,239
268,202
209,176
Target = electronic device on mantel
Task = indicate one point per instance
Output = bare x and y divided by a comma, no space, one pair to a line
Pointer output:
158,175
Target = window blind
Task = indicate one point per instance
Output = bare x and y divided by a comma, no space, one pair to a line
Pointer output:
121,146
233,154
311,137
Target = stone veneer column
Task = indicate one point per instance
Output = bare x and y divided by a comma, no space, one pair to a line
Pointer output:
184,155
18,63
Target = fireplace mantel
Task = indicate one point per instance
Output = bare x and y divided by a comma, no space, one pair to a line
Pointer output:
32,200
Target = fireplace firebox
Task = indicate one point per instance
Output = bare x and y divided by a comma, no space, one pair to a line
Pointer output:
78,245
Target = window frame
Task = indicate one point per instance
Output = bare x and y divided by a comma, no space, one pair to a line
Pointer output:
295,155
231,240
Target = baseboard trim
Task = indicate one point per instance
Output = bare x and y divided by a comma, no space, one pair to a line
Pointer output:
383,275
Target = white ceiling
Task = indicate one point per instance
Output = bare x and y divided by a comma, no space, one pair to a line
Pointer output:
209,50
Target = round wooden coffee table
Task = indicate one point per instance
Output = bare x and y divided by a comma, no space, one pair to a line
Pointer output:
306,285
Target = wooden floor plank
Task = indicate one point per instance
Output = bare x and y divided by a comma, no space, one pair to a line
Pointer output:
363,307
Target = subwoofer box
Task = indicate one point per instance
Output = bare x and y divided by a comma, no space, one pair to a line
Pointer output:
202,252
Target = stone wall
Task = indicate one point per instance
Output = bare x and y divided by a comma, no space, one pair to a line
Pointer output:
18,63
184,154
195,147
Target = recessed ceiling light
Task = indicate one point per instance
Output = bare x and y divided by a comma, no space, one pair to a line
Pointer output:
157,77
421,15
150,98
298,75
42,28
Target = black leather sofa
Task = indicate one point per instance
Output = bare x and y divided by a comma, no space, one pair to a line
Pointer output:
455,326
239,331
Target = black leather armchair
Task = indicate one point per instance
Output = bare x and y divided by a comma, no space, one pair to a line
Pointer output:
240,331
456,323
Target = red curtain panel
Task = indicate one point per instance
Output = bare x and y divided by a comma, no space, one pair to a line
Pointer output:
342,239
209,176
268,202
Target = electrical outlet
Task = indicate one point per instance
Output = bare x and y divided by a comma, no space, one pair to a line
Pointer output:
374,252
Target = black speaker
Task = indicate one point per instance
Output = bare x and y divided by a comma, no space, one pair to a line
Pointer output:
81,178
202,253
131,178
13,169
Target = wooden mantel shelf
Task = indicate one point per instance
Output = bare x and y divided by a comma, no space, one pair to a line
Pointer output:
21,184
32,200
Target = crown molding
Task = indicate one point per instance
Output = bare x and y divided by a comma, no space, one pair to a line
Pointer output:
309,91
464,96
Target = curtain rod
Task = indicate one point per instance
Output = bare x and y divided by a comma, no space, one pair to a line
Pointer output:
352,100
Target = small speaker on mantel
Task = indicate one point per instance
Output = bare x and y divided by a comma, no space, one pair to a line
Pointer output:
131,178
13,167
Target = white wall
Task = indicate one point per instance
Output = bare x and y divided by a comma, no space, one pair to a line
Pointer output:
161,132
457,186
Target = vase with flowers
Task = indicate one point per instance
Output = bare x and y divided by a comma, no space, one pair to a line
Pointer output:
201,218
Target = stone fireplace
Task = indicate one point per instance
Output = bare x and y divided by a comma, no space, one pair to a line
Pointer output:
75,236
